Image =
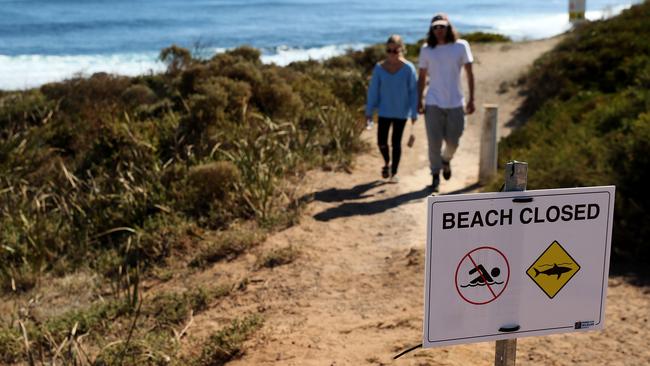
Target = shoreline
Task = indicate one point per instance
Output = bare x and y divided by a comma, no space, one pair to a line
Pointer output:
38,70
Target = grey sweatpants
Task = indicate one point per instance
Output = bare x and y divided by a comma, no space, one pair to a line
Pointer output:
443,124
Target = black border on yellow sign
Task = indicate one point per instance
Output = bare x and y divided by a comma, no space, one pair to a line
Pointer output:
540,256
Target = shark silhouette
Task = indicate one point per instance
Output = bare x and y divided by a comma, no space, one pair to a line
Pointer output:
553,271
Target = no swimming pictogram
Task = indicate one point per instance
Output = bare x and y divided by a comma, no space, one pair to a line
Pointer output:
482,275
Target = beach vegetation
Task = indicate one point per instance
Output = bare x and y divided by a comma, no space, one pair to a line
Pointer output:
588,104
148,179
278,256
485,37
227,344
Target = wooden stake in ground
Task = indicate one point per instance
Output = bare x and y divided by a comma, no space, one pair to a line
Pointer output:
488,158
505,352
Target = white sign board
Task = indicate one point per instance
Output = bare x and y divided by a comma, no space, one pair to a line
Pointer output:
576,10
516,264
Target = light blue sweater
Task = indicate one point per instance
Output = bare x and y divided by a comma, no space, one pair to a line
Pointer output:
394,95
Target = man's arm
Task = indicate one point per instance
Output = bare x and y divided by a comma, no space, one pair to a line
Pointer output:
470,84
422,82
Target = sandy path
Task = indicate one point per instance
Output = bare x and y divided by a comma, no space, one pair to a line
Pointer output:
355,295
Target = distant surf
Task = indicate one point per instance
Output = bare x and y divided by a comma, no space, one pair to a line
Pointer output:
30,61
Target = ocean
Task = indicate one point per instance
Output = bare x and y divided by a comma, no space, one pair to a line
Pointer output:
49,40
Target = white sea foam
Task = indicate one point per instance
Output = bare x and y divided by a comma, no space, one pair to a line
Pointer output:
285,55
27,71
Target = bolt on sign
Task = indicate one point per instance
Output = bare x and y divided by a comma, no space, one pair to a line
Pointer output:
516,264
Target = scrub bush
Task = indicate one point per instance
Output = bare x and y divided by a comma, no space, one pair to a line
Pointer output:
590,124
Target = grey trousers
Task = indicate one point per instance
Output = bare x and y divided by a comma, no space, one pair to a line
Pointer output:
446,125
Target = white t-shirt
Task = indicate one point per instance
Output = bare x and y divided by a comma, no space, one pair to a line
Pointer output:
443,64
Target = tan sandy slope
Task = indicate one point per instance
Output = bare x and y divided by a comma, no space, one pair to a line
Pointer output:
355,294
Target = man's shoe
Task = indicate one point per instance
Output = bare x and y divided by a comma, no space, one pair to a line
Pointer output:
393,179
446,170
435,183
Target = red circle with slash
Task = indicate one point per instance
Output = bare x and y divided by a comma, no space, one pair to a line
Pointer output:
487,284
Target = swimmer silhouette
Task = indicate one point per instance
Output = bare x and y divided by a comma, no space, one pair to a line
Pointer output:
484,275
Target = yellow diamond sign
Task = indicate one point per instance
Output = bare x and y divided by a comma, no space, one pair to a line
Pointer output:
553,269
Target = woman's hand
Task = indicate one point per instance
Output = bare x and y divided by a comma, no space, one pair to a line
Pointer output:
469,109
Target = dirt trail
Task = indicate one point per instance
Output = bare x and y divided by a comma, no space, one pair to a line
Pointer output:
355,294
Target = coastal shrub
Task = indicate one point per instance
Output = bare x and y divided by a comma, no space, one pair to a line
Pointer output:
590,124
216,100
109,171
262,156
164,235
278,257
313,92
363,60
149,349
485,37
212,187
608,49
191,77
97,317
276,98
247,53
341,132
170,308
227,344
228,244
88,97
11,348
245,71
176,58
137,95
20,111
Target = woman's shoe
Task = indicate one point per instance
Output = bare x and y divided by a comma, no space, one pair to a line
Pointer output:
435,184
384,172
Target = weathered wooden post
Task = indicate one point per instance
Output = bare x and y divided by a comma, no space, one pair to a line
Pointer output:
516,172
488,159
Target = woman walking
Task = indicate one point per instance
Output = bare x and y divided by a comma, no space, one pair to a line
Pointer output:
393,93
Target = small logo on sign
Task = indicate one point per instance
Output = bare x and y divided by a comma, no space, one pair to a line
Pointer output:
553,269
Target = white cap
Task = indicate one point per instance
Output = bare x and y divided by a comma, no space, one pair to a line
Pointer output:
440,22
440,19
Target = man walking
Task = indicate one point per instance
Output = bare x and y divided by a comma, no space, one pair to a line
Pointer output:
441,60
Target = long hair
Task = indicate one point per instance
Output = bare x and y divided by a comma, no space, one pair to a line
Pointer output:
450,37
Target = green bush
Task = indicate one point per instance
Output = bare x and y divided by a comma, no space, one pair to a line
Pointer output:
98,170
171,308
138,94
485,37
278,257
176,58
590,125
227,244
227,344
11,347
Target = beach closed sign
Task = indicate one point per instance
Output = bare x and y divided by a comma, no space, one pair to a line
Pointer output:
516,264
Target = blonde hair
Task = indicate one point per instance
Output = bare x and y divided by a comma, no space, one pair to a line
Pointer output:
397,39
